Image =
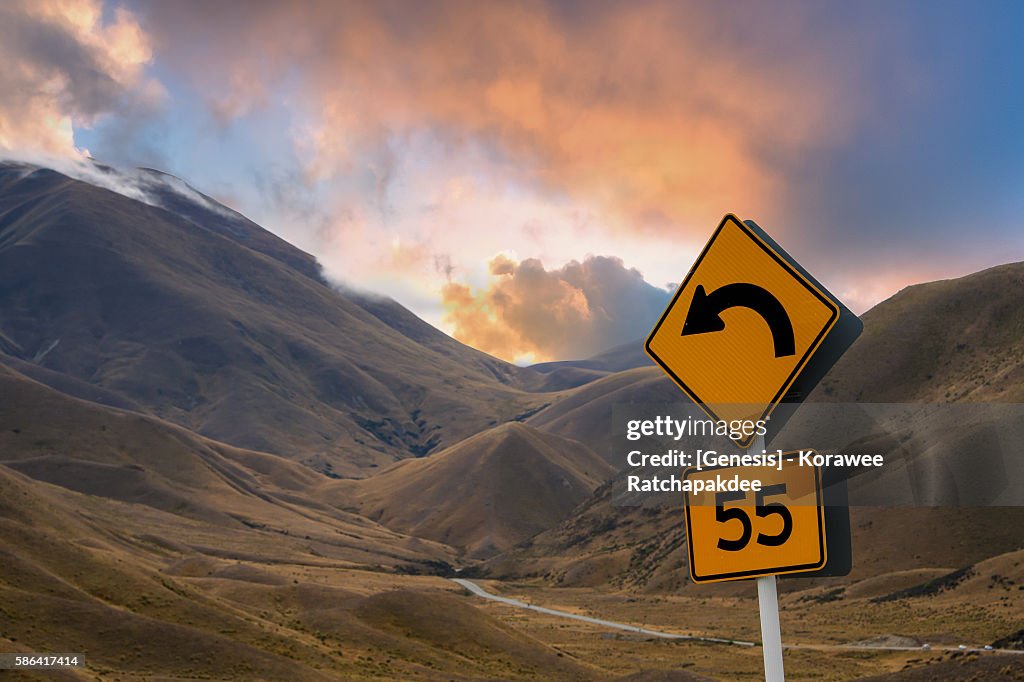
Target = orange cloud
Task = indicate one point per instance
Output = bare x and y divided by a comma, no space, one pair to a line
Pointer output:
66,66
650,111
527,312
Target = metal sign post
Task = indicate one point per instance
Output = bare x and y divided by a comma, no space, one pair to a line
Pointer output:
768,603
771,633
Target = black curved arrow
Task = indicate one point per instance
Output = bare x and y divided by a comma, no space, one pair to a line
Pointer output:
705,311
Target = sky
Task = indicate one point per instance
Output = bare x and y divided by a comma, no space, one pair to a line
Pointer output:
534,177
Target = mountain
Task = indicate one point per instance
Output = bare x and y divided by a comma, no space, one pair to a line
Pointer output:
585,413
644,548
956,341
190,312
565,374
627,356
399,318
148,463
484,494
208,447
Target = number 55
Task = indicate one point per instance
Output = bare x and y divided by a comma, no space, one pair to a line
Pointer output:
762,510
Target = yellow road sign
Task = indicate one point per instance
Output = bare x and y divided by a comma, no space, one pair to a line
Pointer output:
779,529
742,325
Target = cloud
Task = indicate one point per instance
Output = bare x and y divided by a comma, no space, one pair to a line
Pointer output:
425,137
653,111
529,313
67,66
406,143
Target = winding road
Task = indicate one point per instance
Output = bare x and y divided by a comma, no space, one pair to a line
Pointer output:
481,592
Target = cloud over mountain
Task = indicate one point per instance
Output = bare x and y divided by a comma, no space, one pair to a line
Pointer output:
644,110
577,310
403,144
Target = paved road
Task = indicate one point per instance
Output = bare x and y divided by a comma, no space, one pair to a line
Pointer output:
481,592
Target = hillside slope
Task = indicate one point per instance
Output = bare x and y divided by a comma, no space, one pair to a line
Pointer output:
954,341
947,341
203,318
585,413
121,584
485,494
194,483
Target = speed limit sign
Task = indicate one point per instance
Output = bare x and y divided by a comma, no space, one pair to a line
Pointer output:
777,529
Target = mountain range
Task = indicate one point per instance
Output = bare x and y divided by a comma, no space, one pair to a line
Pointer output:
197,428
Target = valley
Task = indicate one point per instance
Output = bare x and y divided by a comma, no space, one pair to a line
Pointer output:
219,465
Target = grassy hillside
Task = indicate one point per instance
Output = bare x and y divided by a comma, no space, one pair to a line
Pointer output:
585,413
485,494
121,583
207,448
644,549
951,341
239,496
155,541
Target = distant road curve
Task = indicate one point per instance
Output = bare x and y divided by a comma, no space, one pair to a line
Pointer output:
481,592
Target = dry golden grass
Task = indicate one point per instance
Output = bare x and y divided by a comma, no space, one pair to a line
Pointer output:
163,554
984,606
486,494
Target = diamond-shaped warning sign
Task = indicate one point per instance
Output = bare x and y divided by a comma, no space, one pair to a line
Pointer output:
742,325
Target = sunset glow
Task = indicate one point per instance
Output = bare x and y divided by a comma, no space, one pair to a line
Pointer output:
411,146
